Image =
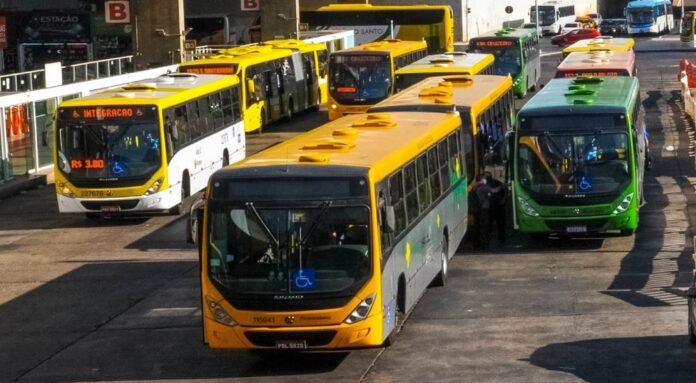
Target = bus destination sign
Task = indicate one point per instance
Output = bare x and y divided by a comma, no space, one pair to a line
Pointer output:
226,69
111,112
494,43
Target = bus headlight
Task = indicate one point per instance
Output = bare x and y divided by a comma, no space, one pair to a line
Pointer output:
154,188
65,190
527,208
334,106
361,310
219,314
623,206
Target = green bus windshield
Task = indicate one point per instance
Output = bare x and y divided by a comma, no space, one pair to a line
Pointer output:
507,55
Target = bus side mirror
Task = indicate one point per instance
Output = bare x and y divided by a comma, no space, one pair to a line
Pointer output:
194,223
388,220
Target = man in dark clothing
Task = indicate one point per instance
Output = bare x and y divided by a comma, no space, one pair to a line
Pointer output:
482,215
497,205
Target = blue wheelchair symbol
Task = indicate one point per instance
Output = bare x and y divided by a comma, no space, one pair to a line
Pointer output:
584,184
304,279
117,168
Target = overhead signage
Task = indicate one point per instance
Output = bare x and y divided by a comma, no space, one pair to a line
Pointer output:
223,69
116,112
250,5
494,43
117,11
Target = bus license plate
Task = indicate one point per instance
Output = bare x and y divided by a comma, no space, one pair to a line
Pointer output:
110,209
576,229
291,344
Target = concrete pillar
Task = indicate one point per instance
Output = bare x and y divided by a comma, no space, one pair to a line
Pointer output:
158,32
279,18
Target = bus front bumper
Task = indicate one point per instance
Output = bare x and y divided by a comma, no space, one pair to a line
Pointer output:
365,333
156,202
580,225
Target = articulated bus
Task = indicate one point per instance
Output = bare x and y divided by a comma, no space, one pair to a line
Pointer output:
580,157
434,23
146,146
278,78
598,63
329,239
516,54
449,63
649,16
604,43
688,29
362,76
553,15
485,104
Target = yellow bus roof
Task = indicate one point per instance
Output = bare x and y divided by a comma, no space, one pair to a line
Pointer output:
450,62
294,44
381,142
601,59
366,7
165,90
601,43
442,93
395,47
244,56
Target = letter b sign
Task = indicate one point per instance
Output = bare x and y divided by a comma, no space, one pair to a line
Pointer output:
117,11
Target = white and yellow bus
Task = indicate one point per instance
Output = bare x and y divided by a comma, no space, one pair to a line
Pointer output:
146,146
329,239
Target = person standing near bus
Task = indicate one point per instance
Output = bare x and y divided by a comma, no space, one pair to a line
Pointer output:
497,211
482,213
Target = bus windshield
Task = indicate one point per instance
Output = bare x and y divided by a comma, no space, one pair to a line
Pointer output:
643,15
547,15
507,55
320,249
108,151
572,163
360,79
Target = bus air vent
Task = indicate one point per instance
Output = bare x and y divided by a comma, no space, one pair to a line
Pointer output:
461,80
442,60
345,132
140,86
501,33
587,80
454,53
581,92
583,101
125,95
436,91
329,145
375,121
314,158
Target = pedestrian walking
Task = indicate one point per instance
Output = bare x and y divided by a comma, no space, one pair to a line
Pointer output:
482,213
498,203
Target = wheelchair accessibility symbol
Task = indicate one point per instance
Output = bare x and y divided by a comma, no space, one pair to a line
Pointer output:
585,184
304,279
117,168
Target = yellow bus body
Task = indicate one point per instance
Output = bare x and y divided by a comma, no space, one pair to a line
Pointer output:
395,50
472,96
378,143
600,43
239,60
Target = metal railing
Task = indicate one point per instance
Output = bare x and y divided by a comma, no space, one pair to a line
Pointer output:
91,70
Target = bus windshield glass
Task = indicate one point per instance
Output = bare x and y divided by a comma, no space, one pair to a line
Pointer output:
506,52
554,161
359,78
645,15
547,15
108,151
269,250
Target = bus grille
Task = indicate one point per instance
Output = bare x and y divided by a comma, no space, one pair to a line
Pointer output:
123,204
592,225
269,339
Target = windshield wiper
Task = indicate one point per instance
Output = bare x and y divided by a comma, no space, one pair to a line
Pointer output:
324,206
555,144
250,206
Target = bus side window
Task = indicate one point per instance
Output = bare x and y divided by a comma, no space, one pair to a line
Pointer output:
411,187
205,122
216,110
181,126
227,109
443,159
323,58
396,200
194,120
171,135
424,192
236,113
385,234
434,173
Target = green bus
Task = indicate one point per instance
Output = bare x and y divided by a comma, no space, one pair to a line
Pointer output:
580,151
517,54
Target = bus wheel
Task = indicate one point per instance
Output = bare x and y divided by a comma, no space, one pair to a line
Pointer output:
178,209
441,278
399,312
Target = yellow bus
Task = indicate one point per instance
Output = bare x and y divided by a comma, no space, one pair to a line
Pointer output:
486,106
278,78
449,63
434,23
601,43
146,146
598,63
362,76
329,239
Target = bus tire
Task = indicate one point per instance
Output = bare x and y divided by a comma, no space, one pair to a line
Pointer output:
441,277
399,312
178,209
